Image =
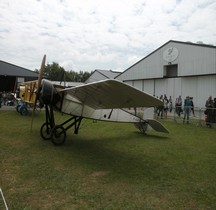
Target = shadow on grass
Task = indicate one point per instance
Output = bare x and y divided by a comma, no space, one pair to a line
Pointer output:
124,159
153,136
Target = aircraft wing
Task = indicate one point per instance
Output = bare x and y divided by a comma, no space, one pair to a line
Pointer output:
110,94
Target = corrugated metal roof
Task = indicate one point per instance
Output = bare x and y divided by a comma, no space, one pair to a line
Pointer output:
108,73
7,69
98,75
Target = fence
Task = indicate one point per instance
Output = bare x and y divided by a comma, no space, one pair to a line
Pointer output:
197,116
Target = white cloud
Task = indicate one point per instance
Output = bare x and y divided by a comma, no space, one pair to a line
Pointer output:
98,34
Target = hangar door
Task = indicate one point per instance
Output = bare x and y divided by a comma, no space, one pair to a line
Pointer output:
170,87
7,83
148,87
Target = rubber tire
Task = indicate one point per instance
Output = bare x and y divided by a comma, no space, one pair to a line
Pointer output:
18,107
58,135
46,135
23,111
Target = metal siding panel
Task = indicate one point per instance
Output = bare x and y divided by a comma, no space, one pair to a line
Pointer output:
177,88
148,86
189,88
160,87
196,60
170,89
206,86
138,84
129,82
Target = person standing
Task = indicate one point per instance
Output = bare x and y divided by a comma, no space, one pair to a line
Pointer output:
192,106
187,107
209,110
160,108
170,104
178,105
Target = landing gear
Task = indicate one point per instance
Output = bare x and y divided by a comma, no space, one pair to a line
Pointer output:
23,111
22,108
47,127
142,126
45,131
57,133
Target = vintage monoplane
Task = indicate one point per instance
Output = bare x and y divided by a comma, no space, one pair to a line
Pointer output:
107,100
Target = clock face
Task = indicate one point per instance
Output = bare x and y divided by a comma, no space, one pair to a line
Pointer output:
170,54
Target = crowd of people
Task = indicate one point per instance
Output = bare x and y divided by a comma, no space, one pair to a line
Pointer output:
161,111
7,98
188,107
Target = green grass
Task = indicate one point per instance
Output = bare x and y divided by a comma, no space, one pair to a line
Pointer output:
107,166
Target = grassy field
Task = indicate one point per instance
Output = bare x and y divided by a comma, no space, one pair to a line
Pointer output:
107,166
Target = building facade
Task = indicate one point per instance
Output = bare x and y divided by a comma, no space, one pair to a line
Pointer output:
176,68
11,75
98,75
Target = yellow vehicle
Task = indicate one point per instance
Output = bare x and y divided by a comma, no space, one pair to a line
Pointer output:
27,96
28,93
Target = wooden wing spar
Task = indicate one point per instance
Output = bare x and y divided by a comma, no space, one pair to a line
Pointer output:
110,94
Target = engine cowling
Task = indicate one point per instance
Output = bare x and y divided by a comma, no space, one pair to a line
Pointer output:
48,94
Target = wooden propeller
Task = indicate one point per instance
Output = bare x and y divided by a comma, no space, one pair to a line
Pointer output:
42,69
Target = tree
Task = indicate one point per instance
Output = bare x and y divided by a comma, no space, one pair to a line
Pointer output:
54,72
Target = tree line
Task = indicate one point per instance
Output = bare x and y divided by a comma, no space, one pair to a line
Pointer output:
55,72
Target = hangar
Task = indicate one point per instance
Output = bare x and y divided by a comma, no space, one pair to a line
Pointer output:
11,75
176,68
98,75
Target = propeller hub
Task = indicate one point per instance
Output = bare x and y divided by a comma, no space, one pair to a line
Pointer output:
48,94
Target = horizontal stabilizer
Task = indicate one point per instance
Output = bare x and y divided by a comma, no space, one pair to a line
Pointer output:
157,126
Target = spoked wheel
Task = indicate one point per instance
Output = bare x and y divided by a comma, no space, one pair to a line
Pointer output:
58,135
45,131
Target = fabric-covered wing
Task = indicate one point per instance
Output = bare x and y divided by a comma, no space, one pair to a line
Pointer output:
110,94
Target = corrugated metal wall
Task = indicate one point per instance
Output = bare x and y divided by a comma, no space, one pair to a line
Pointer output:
138,84
206,86
149,86
200,88
192,62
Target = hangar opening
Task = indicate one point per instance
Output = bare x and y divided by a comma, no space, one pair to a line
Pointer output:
11,75
7,83
170,71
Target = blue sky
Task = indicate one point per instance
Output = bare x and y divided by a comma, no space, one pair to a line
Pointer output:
99,34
